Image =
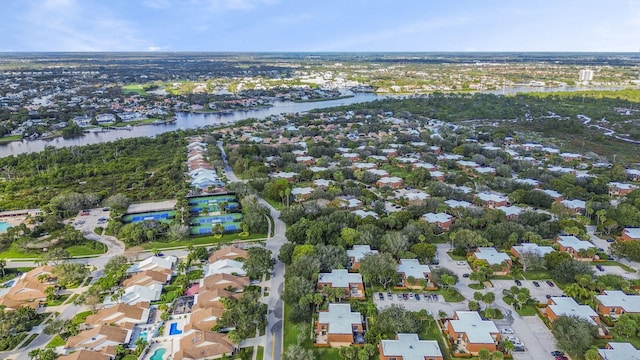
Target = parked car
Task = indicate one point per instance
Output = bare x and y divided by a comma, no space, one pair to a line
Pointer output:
518,282
550,283
465,275
381,296
405,297
536,284
399,296
507,331
427,297
610,240
601,249
411,296
435,297
389,296
548,296
417,297
557,353
106,208
599,267
610,258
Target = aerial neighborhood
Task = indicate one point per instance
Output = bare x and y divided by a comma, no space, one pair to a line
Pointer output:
366,231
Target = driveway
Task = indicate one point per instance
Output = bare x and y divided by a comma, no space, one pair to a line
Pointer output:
616,270
537,338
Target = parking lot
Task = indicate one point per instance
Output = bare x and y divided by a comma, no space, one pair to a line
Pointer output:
537,292
433,302
615,270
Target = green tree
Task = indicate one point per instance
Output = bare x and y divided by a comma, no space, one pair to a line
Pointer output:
258,262
508,346
484,354
626,326
574,334
379,269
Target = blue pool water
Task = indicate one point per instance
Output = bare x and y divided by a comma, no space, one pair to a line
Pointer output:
158,354
4,226
173,330
144,336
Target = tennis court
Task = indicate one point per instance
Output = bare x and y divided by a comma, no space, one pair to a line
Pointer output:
213,207
203,200
163,216
202,225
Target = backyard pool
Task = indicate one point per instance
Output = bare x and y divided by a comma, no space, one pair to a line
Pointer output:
173,330
158,354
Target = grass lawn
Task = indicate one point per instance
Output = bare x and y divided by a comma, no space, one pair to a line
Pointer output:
276,204
326,353
88,248
72,298
497,314
58,301
202,240
130,357
55,342
10,138
536,275
81,317
476,286
290,336
260,354
431,331
527,310
451,295
456,257
634,340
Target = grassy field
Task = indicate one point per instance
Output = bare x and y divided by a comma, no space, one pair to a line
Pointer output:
134,89
81,317
203,240
260,354
84,249
10,138
55,342
536,275
431,331
58,301
527,310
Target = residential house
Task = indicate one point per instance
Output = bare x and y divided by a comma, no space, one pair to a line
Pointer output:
485,170
458,204
224,281
302,194
378,172
393,182
467,165
350,203
289,176
85,355
363,214
499,261
616,302
225,266
409,347
322,183
530,248
630,234
437,175
416,196
576,206
567,306
511,212
365,166
412,269
137,294
148,277
307,160
633,174
468,331
205,316
358,253
620,189
82,121
339,326
29,289
350,282
228,253
120,314
100,338
442,220
154,263
556,196
529,182
572,245
619,351
353,157
492,201
198,344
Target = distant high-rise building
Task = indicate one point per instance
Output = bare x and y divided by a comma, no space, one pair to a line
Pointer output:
585,75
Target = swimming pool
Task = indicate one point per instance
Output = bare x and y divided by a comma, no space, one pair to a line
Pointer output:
173,329
4,226
158,354
144,336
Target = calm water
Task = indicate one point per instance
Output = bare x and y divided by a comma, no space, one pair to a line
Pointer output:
192,121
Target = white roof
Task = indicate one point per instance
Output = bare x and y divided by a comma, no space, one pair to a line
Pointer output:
533,248
616,298
425,165
138,293
302,191
412,267
416,195
225,266
491,197
283,175
406,160
552,193
622,186
478,331
434,218
632,232
390,180
322,182
458,203
573,242
363,214
633,172
378,157
466,163
340,278
361,165
619,351
574,204
410,347
318,168
359,251
511,210
154,262
485,170
530,182
378,172
491,255
567,306
340,318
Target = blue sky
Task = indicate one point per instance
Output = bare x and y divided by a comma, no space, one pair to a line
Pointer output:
320,25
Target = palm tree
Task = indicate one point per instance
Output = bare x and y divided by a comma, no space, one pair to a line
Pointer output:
508,346
117,295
